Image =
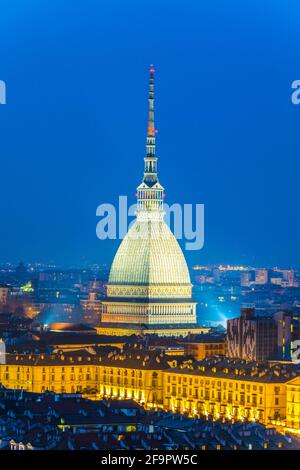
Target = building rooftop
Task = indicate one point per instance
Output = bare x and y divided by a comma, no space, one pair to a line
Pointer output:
51,421
71,327
70,338
132,359
221,367
204,338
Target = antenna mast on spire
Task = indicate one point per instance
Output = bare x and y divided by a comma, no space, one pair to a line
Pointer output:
150,193
150,145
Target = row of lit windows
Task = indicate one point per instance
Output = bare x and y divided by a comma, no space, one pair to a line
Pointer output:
121,381
212,395
123,371
74,370
217,383
44,369
144,310
208,394
72,373
293,397
18,377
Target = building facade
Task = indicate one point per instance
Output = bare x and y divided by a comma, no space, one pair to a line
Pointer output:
216,387
204,345
293,404
259,338
91,309
224,388
134,374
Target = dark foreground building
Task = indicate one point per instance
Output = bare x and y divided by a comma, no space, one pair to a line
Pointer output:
258,338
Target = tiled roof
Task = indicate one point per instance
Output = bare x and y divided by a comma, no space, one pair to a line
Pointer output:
133,358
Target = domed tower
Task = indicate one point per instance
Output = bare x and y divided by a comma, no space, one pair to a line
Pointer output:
149,282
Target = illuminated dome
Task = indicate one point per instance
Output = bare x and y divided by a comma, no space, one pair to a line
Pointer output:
154,258
149,281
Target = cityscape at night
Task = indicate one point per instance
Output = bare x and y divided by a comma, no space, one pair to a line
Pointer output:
149,255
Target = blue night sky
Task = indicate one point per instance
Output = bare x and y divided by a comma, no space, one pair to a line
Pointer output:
73,129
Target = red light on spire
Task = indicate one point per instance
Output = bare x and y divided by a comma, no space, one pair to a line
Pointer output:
152,70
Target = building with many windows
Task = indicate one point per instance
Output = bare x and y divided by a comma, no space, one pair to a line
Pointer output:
293,404
204,345
233,389
217,387
135,374
259,338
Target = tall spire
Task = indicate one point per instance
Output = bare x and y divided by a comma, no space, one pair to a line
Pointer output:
150,170
151,126
150,192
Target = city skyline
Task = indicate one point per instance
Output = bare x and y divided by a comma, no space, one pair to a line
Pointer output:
149,260
229,131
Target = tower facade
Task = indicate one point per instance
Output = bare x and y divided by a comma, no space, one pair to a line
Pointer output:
149,281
